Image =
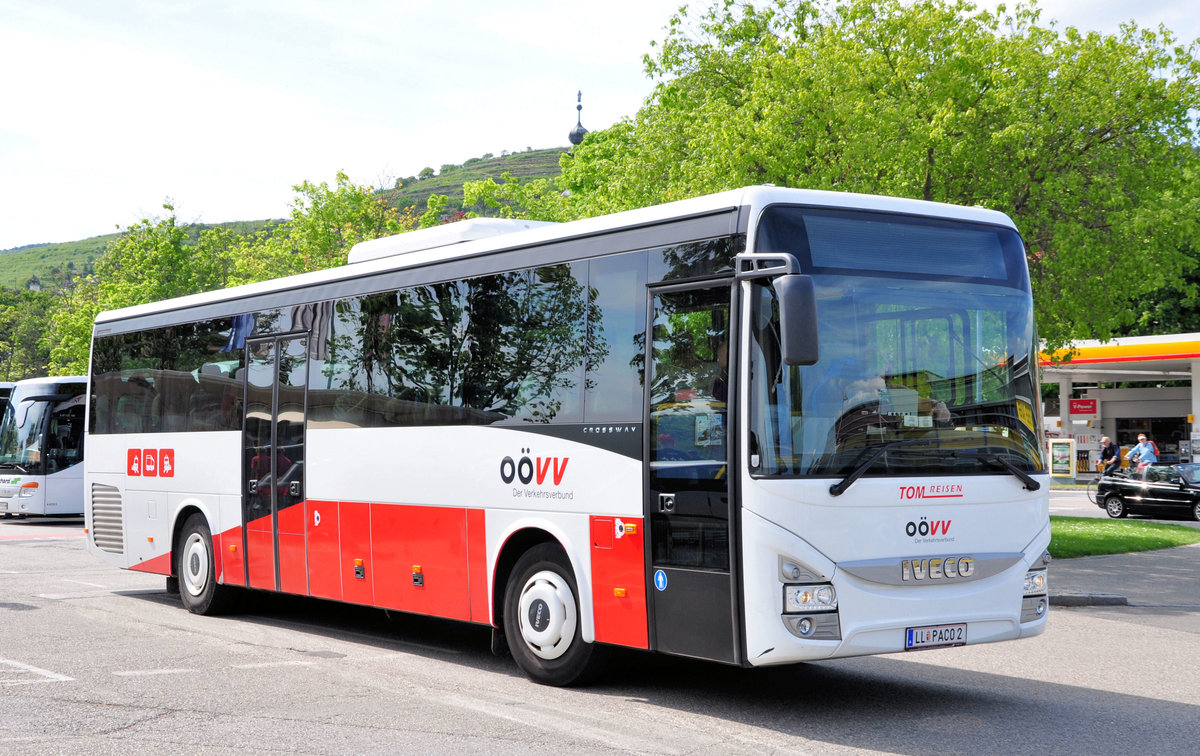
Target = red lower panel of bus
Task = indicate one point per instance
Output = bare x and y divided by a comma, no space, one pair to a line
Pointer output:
159,565
230,566
426,560
619,581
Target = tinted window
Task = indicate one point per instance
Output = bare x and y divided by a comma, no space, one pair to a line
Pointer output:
833,240
616,335
493,349
180,378
700,259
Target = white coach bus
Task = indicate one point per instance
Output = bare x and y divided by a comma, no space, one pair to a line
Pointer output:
41,447
758,427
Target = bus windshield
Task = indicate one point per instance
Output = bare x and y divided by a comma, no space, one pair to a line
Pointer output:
926,351
20,435
41,429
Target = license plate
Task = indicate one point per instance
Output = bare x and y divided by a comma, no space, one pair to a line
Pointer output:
935,636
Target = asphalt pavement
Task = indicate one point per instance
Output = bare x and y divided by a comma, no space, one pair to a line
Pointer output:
1165,578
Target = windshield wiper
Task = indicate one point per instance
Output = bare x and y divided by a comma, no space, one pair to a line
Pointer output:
839,488
14,465
1026,478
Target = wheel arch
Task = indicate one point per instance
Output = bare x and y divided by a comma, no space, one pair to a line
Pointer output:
188,508
519,541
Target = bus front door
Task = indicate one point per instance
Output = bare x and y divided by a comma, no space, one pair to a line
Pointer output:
688,502
273,463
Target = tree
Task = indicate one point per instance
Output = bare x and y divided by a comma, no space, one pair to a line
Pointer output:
538,199
152,260
23,317
325,222
155,259
1085,140
68,334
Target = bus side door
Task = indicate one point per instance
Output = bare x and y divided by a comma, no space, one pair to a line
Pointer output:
273,450
688,501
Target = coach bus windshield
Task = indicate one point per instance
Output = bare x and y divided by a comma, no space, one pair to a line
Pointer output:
21,430
927,349
41,430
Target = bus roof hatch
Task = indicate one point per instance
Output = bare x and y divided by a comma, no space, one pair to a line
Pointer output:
439,236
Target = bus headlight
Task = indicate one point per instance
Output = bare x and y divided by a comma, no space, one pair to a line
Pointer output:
809,598
1035,583
27,490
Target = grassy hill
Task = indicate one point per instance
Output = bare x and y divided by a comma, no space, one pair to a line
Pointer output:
18,266
531,164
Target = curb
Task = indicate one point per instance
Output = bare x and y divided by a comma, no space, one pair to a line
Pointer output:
1088,599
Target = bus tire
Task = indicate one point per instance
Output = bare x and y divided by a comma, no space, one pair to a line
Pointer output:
195,568
541,620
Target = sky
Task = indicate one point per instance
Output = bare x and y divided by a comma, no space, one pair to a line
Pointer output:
109,109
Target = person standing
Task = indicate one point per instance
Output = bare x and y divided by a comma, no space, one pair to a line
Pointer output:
1110,456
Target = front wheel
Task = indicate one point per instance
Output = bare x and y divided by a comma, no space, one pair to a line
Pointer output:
1115,506
541,620
197,573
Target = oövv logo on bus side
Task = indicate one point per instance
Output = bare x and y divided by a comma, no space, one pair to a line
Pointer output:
530,469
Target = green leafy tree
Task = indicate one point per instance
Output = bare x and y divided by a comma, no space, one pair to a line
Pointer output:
158,259
325,223
538,199
1086,140
152,260
68,333
23,319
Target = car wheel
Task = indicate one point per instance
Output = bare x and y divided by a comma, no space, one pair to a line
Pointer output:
541,620
198,588
1115,506
1196,511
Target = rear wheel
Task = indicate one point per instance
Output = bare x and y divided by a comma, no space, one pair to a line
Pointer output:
1196,511
1115,506
541,620
197,573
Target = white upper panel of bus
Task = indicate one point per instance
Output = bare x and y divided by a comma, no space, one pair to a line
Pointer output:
434,245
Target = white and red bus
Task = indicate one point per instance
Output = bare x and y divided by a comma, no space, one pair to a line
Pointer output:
758,427
41,447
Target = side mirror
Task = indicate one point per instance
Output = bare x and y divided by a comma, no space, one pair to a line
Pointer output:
797,318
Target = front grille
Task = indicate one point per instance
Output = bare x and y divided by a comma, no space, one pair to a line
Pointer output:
108,522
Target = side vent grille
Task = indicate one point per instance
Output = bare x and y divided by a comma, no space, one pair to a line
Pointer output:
108,522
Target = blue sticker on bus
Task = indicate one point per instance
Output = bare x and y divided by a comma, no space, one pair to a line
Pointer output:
660,580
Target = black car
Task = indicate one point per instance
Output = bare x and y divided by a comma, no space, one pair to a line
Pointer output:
1165,490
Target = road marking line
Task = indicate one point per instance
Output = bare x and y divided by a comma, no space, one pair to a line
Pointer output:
262,665
40,537
144,672
84,582
44,673
102,592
